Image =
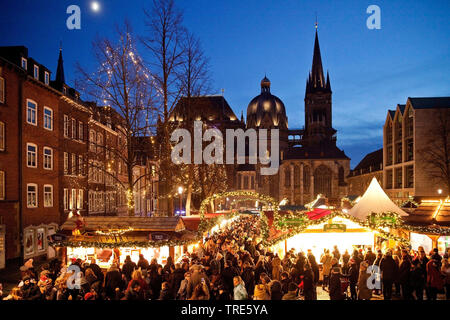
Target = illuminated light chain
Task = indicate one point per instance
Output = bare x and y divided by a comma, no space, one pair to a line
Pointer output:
122,244
205,226
114,232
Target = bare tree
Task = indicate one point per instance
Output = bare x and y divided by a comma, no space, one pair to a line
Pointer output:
126,87
436,152
164,41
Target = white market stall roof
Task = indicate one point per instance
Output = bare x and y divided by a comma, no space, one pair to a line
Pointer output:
374,200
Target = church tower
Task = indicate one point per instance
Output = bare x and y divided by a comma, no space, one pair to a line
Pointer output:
318,112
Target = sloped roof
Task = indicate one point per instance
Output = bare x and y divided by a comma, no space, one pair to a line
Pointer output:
329,151
430,102
137,223
374,200
372,160
210,108
431,212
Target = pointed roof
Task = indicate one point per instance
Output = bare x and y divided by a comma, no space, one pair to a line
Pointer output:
374,200
316,79
60,69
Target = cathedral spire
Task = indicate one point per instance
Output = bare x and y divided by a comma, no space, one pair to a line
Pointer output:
317,70
60,69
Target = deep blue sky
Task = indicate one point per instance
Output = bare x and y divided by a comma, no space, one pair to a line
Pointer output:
371,70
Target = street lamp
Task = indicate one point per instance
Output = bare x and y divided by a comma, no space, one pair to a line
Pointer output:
439,191
180,191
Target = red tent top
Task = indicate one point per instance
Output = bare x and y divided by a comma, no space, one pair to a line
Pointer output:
317,213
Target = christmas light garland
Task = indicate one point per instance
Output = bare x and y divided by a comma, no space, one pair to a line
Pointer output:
122,244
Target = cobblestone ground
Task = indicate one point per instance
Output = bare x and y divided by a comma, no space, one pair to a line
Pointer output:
323,295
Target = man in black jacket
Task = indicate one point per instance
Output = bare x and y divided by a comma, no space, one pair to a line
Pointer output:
370,256
389,270
404,275
128,268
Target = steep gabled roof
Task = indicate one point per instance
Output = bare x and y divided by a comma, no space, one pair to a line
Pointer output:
430,102
372,160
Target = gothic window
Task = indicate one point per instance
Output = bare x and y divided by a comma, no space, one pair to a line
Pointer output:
287,177
296,176
341,176
306,179
322,181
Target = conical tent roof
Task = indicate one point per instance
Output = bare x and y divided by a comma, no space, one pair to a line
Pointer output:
374,200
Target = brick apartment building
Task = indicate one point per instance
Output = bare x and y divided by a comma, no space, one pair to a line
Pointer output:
59,156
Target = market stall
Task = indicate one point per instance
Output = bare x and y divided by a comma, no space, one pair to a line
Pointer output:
111,239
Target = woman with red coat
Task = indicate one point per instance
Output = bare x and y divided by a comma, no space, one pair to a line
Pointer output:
435,282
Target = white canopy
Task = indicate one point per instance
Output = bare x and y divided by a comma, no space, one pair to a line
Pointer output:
374,200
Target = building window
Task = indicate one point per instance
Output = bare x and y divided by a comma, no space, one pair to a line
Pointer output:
389,179
46,78
80,166
66,126
252,182
2,90
74,199
66,198
48,118
245,186
66,163
398,153
31,155
409,177
36,72
306,179
24,63
2,185
80,199
99,142
74,129
287,177
398,178
48,158
409,150
2,136
48,195
32,193
80,131
91,201
389,156
31,112
73,165
296,176
322,181
92,140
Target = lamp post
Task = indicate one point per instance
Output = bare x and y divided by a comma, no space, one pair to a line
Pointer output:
180,192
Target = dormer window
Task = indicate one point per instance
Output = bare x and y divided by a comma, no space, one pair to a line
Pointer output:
24,63
36,72
47,78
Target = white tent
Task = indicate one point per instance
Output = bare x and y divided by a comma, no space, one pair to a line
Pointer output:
374,200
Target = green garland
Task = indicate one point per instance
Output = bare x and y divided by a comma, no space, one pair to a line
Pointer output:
121,244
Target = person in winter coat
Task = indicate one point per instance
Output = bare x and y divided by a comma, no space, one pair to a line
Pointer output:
239,291
175,279
285,282
336,253
275,290
309,284
370,257
397,279
326,261
435,282
113,280
389,271
422,264
364,293
166,292
182,293
97,270
142,262
417,280
445,270
404,271
261,292
128,268
292,292
197,277
314,266
335,285
276,268
248,275
353,274
228,273
201,292
30,291
134,292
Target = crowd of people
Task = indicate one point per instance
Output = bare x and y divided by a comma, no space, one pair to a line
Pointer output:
233,264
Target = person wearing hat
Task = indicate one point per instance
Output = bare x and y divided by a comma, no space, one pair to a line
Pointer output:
364,293
30,291
335,284
353,273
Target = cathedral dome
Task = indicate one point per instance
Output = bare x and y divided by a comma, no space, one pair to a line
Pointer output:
266,110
